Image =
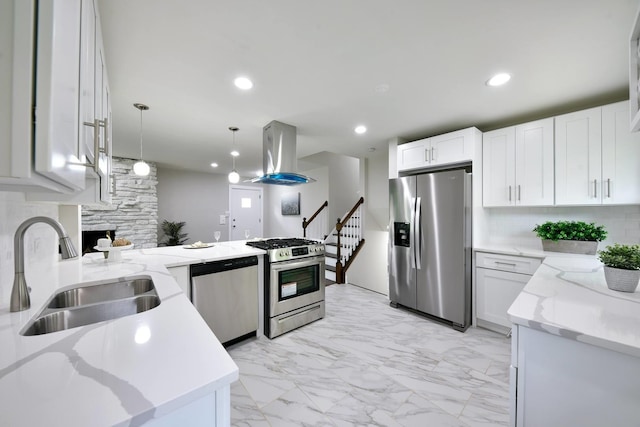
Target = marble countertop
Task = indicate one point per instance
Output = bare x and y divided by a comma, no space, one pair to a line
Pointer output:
124,371
568,296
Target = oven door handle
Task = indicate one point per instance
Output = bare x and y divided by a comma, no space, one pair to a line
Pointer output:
296,263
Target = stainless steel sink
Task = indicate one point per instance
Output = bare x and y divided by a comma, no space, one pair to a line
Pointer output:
84,295
93,303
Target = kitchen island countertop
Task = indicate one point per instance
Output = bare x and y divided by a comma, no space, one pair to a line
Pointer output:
568,296
126,371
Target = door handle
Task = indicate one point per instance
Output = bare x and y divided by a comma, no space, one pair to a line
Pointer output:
433,154
509,193
595,188
426,155
418,233
608,187
519,192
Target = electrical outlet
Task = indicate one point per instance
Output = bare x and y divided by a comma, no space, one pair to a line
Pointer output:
223,219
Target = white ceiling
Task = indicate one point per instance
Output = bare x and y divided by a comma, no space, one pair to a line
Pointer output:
320,66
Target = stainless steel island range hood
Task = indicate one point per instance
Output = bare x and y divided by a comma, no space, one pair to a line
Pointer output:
279,156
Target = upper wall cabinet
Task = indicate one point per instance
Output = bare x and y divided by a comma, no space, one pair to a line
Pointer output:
634,75
518,165
449,148
47,95
596,157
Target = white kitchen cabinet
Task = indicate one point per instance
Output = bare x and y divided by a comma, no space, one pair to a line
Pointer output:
41,156
449,148
47,96
499,280
596,157
560,381
94,125
518,165
620,156
634,74
181,274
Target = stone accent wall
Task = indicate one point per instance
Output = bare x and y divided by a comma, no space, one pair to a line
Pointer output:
134,208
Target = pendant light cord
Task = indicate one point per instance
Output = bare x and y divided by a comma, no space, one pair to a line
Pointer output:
141,107
141,134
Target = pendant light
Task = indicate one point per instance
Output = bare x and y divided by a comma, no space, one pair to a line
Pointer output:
234,177
141,168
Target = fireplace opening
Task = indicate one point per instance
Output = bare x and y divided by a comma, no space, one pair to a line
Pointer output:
90,239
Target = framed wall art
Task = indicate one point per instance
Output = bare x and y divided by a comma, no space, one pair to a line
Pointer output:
291,204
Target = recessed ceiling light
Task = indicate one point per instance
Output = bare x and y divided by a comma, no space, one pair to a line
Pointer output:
499,79
360,129
243,83
214,165
234,153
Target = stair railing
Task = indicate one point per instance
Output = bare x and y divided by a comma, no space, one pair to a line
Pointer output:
306,223
353,222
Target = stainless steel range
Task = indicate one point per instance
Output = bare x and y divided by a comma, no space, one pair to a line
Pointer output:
293,283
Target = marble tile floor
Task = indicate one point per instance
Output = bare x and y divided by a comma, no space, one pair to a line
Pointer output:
368,364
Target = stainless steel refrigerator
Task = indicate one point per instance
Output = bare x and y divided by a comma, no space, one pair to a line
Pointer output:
430,245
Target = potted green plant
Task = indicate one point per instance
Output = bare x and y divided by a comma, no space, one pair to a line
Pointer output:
621,266
570,236
173,235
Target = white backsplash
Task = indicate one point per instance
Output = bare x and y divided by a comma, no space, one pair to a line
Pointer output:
41,241
512,226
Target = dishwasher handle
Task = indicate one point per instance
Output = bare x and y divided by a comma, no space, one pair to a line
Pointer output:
224,265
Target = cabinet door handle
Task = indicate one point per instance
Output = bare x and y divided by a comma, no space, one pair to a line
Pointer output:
608,187
519,192
433,154
509,193
426,155
595,188
96,145
105,125
506,263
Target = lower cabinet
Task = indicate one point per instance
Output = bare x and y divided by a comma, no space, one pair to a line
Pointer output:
181,274
499,280
559,381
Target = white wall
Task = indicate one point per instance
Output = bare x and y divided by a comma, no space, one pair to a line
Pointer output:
311,198
512,226
41,241
369,269
343,181
196,198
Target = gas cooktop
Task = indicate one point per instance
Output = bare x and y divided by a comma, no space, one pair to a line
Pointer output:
279,250
282,243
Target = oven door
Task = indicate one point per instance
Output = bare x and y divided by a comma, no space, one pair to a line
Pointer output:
295,284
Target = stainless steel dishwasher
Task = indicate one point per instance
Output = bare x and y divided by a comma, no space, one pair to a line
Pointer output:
225,293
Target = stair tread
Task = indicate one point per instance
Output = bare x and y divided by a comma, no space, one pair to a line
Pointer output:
330,268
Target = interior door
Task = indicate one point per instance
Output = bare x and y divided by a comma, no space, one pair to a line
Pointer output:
441,278
245,212
402,273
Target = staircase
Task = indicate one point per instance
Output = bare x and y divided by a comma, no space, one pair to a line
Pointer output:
343,244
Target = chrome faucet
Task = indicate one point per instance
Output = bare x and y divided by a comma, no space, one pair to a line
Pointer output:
20,293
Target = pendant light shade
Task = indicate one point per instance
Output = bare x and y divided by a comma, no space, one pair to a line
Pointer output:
234,176
141,168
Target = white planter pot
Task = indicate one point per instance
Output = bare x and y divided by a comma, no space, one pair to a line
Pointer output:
570,246
621,280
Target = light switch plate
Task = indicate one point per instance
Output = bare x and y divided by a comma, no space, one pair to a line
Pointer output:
223,219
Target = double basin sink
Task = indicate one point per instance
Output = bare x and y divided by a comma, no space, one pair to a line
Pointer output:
91,303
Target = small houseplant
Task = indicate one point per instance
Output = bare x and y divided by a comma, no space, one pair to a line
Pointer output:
570,236
621,266
173,235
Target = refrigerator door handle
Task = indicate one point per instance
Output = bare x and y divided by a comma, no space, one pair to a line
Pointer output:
417,234
412,234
